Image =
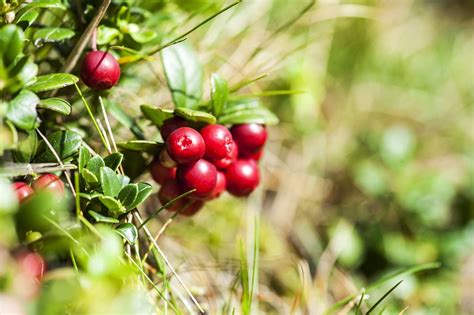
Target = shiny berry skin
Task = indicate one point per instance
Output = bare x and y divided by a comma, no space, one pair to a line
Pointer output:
49,182
168,191
100,70
201,175
242,177
185,145
32,264
218,140
192,206
23,191
224,163
220,186
249,137
161,173
256,156
170,125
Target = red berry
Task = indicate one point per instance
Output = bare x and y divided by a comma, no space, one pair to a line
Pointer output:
201,176
170,125
168,191
22,190
49,182
192,206
224,163
161,173
220,186
185,145
249,137
32,264
256,156
242,177
100,70
218,140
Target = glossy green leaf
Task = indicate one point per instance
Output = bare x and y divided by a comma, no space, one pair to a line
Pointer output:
183,74
22,110
64,142
109,181
52,81
144,190
128,231
90,196
113,160
157,115
27,146
40,4
89,177
219,93
27,18
95,164
240,105
28,73
11,43
106,34
84,157
111,203
127,195
56,104
143,36
141,145
52,34
102,218
124,180
195,115
259,115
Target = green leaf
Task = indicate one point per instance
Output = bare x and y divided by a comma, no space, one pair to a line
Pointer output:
109,181
113,160
95,164
90,196
144,190
52,34
141,145
26,148
28,73
40,4
195,115
157,115
106,34
27,18
89,177
219,94
125,119
143,36
240,105
84,157
22,110
128,194
128,231
101,218
183,74
11,43
65,143
52,81
124,180
56,104
259,115
111,203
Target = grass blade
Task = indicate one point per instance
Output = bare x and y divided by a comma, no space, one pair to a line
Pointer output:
383,297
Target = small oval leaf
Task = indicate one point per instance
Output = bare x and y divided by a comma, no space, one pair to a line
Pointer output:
219,93
128,231
51,34
56,104
144,190
65,143
111,204
113,160
102,218
109,181
195,115
22,110
89,177
52,81
127,195
141,146
156,114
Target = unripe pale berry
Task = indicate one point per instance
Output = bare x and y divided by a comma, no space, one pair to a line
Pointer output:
170,125
100,70
218,140
250,138
161,173
220,186
49,182
242,177
201,175
224,163
32,264
23,191
185,145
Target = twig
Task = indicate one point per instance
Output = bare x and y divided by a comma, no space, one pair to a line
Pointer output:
50,147
178,278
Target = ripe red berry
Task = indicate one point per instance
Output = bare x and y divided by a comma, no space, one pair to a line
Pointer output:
170,125
201,176
22,190
192,206
100,70
220,186
224,163
249,137
218,140
161,173
49,182
256,156
32,264
168,191
242,177
185,145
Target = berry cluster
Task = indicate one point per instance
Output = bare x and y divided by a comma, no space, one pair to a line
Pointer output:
48,182
207,161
